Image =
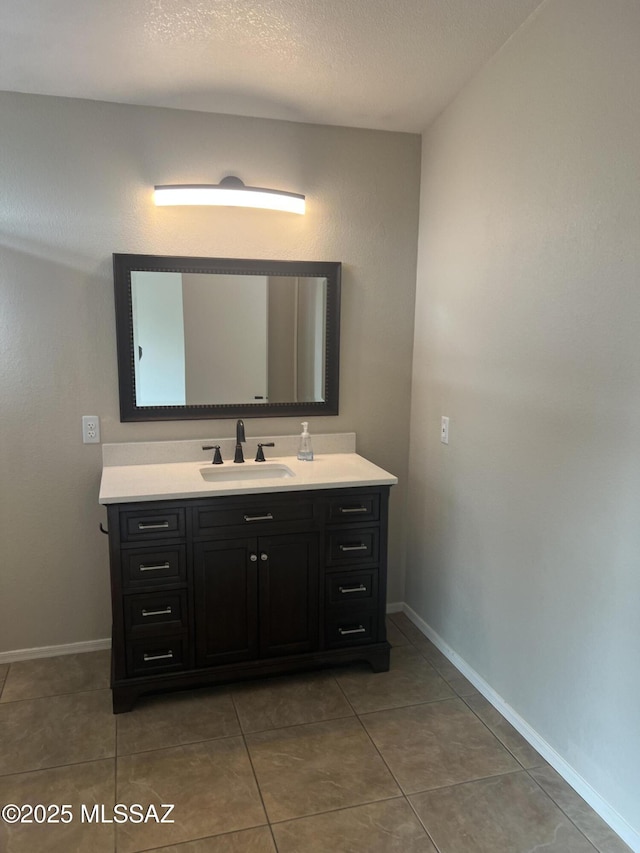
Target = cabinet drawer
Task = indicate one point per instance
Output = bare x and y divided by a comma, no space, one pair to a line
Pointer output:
156,613
345,588
352,546
350,629
152,524
160,654
207,519
354,508
146,568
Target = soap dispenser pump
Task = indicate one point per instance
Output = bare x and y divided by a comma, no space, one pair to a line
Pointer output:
305,451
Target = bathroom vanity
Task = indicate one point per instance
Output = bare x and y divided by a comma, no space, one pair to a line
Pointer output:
223,573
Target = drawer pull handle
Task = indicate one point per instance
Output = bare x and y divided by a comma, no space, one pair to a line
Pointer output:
147,657
345,589
359,630
267,517
348,509
157,568
153,525
165,612
360,547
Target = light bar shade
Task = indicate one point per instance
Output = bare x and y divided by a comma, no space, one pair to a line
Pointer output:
230,192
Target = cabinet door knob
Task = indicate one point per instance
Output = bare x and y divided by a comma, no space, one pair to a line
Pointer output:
264,557
253,558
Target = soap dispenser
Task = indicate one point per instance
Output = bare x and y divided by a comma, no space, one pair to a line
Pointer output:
305,451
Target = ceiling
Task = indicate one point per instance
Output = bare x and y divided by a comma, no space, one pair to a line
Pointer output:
384,64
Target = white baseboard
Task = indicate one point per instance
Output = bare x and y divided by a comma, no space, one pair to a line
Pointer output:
617,823
54,651
395,607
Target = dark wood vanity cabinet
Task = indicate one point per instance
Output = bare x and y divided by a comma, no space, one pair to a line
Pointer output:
228,588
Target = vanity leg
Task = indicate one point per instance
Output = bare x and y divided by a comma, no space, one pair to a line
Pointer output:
123,700
379,661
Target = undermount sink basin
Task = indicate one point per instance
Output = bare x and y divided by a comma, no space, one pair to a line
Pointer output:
235,472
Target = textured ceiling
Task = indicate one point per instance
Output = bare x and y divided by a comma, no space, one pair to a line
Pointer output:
386,64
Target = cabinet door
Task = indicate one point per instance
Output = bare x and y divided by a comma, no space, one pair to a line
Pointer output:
288,568
226,601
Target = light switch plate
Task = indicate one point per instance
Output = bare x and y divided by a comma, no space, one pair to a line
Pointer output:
444,430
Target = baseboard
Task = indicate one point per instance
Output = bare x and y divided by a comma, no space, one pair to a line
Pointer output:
54,651
617,823
395,607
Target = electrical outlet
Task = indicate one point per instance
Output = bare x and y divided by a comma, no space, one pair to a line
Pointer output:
444,430
91,429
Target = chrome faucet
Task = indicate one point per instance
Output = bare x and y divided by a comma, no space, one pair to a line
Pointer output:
239,457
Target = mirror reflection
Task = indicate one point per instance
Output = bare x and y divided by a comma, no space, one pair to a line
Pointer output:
202,339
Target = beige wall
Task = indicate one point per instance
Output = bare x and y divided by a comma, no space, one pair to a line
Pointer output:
76,180
525,536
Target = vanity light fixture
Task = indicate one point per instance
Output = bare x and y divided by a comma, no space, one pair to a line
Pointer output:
230,192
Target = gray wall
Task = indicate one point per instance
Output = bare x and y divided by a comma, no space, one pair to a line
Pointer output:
524,531
77,179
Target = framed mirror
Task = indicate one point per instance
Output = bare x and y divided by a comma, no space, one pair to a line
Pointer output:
226,337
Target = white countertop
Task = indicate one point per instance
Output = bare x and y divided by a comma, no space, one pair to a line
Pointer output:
169,480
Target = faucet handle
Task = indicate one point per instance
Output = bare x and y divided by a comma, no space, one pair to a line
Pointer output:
217,458
260,453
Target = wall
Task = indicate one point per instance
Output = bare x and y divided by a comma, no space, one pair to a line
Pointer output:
524,534
76,180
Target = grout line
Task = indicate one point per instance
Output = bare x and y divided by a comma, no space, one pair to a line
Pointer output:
115,788
558,806
253,769
423,825
190,841
52,695
392,774
178,745
337,809
495,735
55,766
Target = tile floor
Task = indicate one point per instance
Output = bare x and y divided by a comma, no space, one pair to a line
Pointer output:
410,761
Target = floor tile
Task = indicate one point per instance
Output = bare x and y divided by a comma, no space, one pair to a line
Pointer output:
4,669
258,840
175,719
386,827
435,657
294,700
31,679
395,635
48,732
505,732
580,812
211,785
500,815
308,769
87,784
436,744
402,621
410,680
461,686
451,674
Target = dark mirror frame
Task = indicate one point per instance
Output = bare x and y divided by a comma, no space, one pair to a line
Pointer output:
124,265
